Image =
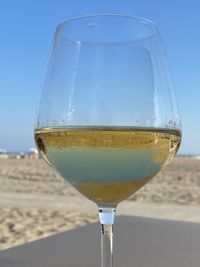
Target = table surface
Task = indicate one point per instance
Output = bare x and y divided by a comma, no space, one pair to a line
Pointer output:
138,242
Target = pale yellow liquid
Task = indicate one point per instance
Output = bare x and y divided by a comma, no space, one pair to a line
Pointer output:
107,164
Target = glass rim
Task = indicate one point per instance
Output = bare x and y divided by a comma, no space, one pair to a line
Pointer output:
143,21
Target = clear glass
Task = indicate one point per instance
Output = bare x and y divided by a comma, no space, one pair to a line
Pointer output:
107,118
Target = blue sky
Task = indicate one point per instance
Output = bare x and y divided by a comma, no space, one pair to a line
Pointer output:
26,31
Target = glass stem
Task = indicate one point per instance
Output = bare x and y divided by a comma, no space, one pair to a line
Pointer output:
107,216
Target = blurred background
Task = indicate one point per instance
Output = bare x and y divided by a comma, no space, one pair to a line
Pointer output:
29,190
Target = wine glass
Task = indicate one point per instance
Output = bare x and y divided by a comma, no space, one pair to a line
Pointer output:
107,118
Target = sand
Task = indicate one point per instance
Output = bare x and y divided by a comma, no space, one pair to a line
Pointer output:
36,202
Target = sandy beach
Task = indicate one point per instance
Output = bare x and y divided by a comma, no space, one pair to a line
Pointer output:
36,202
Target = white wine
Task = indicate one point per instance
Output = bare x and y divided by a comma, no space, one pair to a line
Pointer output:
107,164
